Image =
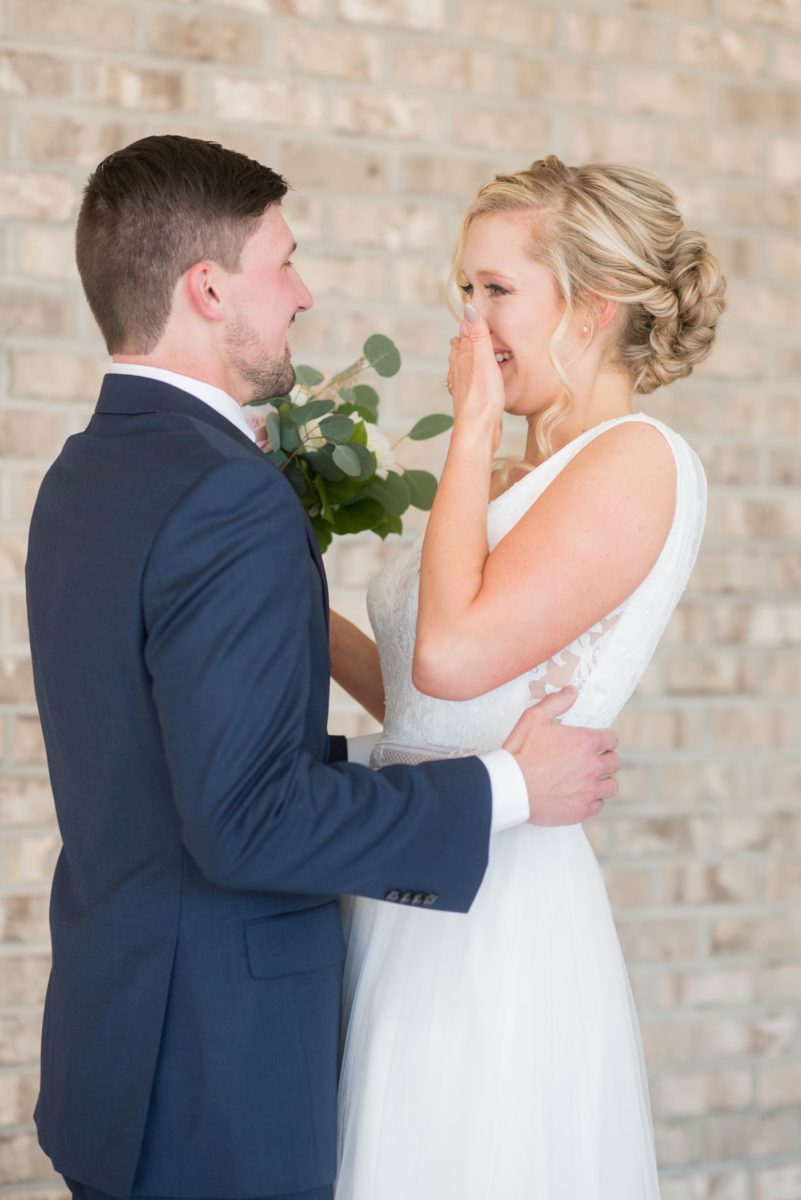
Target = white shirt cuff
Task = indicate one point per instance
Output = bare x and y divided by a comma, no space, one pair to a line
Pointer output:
360,748
509,791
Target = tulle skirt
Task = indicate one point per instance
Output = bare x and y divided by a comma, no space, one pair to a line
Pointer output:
495,1055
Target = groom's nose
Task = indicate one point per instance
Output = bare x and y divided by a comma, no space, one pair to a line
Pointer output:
305,299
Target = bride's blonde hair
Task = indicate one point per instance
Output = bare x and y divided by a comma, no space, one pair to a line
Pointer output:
613,232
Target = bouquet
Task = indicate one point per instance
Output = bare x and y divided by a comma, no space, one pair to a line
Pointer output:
323,436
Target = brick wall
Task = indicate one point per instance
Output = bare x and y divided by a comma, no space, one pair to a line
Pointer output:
387,115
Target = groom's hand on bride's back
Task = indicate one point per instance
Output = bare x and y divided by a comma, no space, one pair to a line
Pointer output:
569,771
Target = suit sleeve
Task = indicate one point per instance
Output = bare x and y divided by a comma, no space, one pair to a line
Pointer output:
227,594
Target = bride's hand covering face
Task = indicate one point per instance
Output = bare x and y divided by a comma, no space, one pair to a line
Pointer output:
474,380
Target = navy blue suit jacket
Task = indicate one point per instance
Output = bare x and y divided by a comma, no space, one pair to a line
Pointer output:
178,621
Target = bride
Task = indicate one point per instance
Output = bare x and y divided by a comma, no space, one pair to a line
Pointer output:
496,1056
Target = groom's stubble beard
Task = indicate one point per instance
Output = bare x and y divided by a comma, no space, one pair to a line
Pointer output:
268,376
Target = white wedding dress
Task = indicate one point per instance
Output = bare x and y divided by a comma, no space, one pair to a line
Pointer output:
496,1055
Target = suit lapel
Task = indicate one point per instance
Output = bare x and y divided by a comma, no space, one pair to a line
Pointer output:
135,395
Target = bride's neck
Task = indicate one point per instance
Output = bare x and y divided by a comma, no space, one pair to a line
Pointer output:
610,397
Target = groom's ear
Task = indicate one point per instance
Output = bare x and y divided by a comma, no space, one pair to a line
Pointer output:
202,290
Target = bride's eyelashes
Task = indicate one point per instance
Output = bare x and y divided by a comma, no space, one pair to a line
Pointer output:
494,289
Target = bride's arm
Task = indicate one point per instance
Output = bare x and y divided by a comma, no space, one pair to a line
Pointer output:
355,665
580,550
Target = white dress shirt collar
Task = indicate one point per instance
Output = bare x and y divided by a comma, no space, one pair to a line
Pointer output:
217,399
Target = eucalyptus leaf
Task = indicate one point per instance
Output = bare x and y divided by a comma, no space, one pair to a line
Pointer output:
347,394
290,438
366,400
273,426
277,458
303,413
308,377
347,460
422,487
383,355
322,463
354,518
390,524
391,493
338,429
322,532
430,426
322,492
297,479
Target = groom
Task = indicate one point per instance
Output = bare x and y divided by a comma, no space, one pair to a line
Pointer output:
178,620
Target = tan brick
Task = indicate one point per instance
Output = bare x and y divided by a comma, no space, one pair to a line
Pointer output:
779,1083
628,887
20,1038
727,1135
27,744
678,1143
659,939
279,8
759,206
15,624
47,253
763,1036
418,283
705,883
439,175
23,980
270,103
787,60
412,14
527,132
30,313
755,935
426,338
704,988
17,1098
333,53
308,217
778,107
390,224
21,1160
668,1044
36,196
12,557
739,256
25,802
657,729
757,624
29,859
730,570
699,1093
445,69
706,781
598,35
26,434
26,74
659,92
522,24
785,160
674,8
707,1185
781,981
203,39
387,114
25,919
777,1132
786,571
721,49
660,835
344,276
779,1183
80,22
561,83
55,375
323,165
589,138
54,1191
16,680
781,14
705,674
738,152
149,89
770,519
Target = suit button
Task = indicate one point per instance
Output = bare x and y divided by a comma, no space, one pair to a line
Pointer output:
430,898
418,897
394,895
406,898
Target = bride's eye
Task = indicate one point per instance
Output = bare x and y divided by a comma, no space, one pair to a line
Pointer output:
495,289
466,288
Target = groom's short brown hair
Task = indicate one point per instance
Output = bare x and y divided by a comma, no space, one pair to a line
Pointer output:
152,210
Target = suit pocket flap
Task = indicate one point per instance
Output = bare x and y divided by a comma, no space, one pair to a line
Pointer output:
294,942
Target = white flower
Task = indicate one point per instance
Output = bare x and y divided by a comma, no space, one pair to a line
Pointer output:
380,447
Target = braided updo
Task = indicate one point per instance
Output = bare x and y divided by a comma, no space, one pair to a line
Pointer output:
615,232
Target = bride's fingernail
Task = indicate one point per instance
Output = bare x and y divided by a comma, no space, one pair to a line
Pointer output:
471,312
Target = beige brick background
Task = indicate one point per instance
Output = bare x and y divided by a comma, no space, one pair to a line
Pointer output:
387,115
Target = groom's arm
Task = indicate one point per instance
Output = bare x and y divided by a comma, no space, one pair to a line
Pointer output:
227,598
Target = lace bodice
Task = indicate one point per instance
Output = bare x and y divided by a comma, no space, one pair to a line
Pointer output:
605,663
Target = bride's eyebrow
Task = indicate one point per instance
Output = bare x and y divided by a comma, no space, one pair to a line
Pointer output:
493,275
